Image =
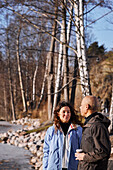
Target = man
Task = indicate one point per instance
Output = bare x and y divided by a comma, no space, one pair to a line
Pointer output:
95,142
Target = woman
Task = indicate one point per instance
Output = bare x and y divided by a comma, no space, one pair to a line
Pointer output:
62,139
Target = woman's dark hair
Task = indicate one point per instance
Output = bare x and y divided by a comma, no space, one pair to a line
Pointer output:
74,117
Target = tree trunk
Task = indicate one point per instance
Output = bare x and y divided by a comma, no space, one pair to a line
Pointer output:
111,111
10,82
50,66
83,70
5,102
72,100
34,87
27,79
65,59
69,25
55,61
83,49
58,78
19,72
43,84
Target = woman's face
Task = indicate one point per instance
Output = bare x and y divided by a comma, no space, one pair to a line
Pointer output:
64,114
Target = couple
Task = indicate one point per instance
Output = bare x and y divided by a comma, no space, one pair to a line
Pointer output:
66,135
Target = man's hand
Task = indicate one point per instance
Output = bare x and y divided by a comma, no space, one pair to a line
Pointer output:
79,156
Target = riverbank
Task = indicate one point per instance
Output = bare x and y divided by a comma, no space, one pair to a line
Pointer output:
17,135
16,139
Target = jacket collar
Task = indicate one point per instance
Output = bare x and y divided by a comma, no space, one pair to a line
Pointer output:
89,117
72,126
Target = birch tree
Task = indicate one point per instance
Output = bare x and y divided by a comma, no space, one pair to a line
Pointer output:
34,85
74,82
65,59
58,78
111,110
81,55
19,72
43,85
10,81
50,61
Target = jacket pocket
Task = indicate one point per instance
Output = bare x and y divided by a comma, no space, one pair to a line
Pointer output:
86,166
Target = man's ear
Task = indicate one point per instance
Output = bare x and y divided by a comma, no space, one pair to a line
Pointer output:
87,106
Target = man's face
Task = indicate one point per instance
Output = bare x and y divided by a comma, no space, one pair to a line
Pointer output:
83,108
64,114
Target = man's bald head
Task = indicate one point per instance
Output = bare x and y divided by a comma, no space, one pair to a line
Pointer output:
88,106
92,102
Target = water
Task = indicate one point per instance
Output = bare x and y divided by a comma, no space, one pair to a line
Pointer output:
12,157
5,126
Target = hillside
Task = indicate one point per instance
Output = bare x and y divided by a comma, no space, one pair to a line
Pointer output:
101,74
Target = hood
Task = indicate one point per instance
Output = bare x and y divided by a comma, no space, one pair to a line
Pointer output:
102,118
98,117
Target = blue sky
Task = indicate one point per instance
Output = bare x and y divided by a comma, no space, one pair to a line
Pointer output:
102,29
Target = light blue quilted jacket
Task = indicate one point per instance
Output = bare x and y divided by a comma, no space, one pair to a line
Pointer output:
53,148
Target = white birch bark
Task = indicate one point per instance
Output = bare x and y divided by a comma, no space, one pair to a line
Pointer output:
83,50
66,96
50,65
19,72
83,71
55,61
15,93
111,111
27,78
34,84
79,55
57,83
69,24
43,84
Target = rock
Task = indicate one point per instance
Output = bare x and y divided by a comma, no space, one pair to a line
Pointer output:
33,160
39,153
41,168
38,165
